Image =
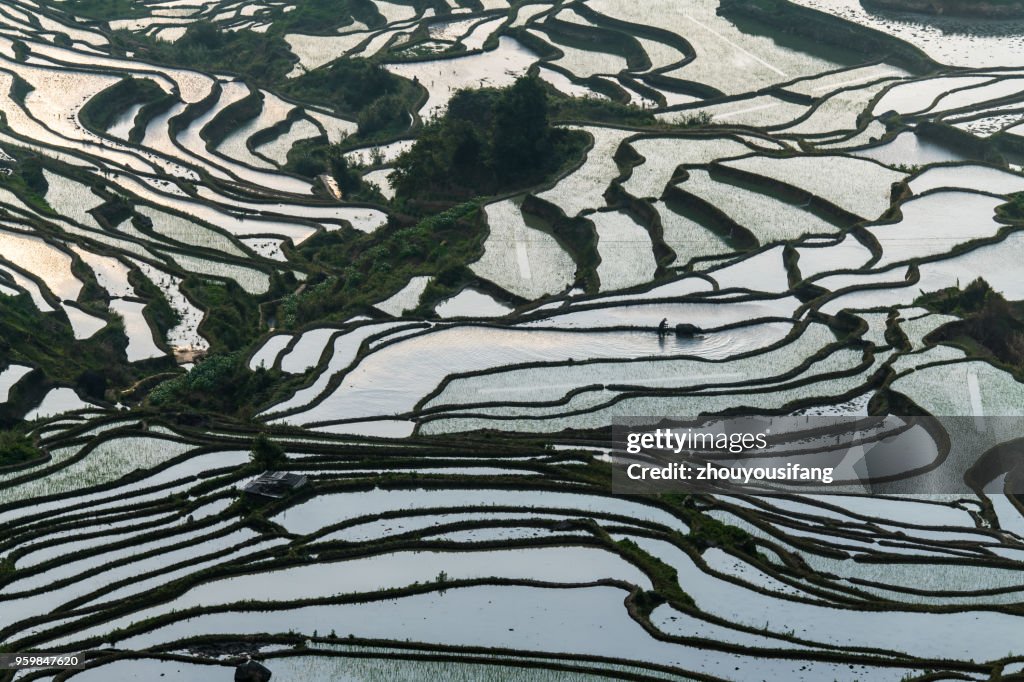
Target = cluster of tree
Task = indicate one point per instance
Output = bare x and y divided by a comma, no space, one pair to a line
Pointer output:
990,325
220,383
488,141
312,159
265,453
379,100
263,57
600,111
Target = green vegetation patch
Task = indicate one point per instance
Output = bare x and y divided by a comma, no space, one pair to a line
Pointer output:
596,110
232,318
371,267
16,448
103,109
991,327
264,57
489,141
220,383
326,16
312,158
359,88
45,341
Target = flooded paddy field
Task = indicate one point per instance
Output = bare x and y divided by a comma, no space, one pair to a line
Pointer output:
218,260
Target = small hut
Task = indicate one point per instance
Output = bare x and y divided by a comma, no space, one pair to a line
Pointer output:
274,484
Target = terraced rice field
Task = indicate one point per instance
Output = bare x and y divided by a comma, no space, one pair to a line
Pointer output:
799,204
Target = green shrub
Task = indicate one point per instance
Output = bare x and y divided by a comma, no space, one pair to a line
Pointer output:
266,453
16,448
385,113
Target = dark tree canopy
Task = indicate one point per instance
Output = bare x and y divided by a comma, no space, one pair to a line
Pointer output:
488,141
522,134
